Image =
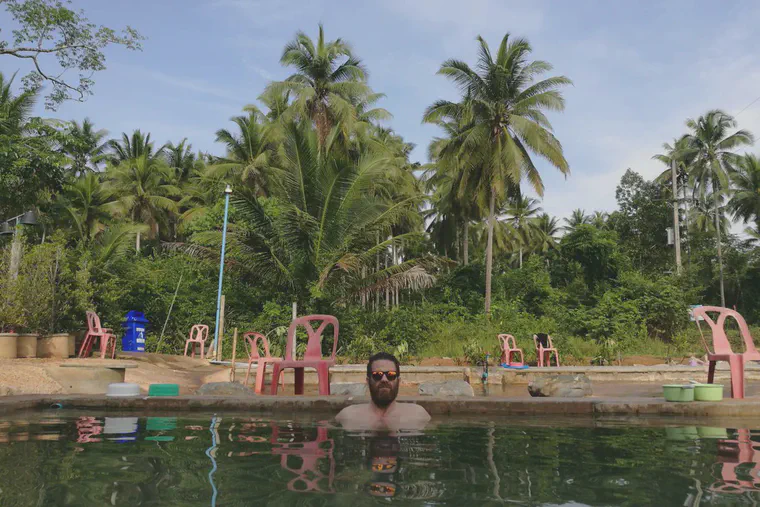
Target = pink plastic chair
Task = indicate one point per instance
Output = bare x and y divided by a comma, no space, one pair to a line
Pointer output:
545,349
311,452
198,336
508,349
312,357
251,345
722,347
96,332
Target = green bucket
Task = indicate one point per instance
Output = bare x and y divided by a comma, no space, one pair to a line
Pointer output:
708,392
161,423
682,433
163,390
712,432
675,392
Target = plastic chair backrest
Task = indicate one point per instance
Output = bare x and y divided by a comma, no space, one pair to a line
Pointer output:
544,340
314,345
199,332
93,322
252,347
507,341
721,345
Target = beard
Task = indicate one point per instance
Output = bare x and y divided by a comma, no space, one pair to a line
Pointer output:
383,393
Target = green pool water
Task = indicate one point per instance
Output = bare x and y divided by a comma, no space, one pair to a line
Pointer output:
82,460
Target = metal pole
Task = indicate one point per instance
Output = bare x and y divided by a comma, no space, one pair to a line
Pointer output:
676,228
227,192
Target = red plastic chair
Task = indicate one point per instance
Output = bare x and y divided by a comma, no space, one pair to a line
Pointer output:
508,349
722,347
545,349
292,441
251,344
198,336
312,357
96,332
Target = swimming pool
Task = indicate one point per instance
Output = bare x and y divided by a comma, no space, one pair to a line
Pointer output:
62,458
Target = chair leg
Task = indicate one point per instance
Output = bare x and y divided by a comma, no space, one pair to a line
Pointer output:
323,377
247,373
299,375
85,343
261,371
737,376
203,355
275,372
186,345
711,372
556,357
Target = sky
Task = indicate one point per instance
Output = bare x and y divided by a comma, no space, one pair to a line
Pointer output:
639,69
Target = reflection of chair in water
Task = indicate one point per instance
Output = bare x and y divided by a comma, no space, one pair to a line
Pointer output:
722,347
731,455
87,427
293,441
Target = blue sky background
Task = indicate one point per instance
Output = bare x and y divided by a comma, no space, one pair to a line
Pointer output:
639,69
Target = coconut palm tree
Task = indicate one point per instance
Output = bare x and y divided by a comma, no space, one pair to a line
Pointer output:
712,146
144,191
88,203
14,109
501,120
745,201
682,155
545,231
181,158
249,153
86,147
576,218
327,80
599,219
520,214
132,147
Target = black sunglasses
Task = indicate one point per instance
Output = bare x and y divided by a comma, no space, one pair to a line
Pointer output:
377,376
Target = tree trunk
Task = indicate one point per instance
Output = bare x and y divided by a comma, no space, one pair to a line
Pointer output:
377,270
489,249
676,225
720,252
521,257
466,242
387,287
16,247
137,243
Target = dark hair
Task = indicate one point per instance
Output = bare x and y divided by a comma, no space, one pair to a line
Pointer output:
379,356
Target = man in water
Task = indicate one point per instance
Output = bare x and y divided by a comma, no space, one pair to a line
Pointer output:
383,412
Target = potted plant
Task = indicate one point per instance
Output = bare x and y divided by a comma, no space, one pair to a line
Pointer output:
10,314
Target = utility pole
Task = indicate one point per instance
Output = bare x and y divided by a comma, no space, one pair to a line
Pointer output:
676,228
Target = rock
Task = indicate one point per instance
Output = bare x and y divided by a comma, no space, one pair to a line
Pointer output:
6,391
561,386
225,389
446,388
349,388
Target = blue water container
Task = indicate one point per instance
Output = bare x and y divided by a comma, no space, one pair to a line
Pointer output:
134,326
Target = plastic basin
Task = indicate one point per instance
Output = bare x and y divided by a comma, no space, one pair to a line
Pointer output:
708,392
674,392
122,390
712,432
163,390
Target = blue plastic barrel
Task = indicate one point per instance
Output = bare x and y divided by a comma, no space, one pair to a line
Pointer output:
134,326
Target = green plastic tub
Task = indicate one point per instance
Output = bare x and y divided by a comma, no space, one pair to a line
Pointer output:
163,390
682,433
708,392
711,432
674,392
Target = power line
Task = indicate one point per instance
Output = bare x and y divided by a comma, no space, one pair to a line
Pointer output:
747,106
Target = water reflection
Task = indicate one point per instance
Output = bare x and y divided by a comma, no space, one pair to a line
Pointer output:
739,463
383,465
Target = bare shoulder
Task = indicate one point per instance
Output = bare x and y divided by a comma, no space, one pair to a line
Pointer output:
416,411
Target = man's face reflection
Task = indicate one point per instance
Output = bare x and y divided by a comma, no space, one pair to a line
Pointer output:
383,463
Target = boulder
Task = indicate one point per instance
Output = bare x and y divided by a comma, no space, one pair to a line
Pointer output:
348,388
561,386
446,388
224,389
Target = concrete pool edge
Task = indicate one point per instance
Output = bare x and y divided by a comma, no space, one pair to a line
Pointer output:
437,406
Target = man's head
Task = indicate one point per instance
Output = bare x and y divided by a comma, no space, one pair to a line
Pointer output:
383,378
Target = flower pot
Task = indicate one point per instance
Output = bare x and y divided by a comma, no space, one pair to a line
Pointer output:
26,345
8,345
54,345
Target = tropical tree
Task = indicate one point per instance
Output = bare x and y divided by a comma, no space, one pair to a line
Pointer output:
85,146
545,230
143,191
181,158
500,122
327,81
88,204
132,148
599,219
745,199
520,214
14,109
712,145
577,218
249,153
